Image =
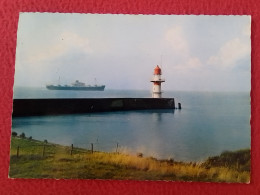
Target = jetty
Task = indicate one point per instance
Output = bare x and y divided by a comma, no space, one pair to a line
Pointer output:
38,107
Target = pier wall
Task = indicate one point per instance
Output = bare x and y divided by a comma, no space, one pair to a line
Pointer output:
36,107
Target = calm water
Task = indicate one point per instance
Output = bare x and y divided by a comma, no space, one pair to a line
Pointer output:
208,124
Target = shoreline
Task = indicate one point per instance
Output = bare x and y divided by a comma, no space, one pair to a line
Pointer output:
39,159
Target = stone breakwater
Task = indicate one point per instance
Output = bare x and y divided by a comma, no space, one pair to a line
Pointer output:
38,107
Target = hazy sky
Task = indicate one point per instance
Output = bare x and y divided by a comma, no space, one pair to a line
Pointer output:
205,53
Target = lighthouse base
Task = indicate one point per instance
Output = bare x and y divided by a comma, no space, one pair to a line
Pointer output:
36,107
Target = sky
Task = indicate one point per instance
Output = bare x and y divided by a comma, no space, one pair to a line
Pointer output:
196,52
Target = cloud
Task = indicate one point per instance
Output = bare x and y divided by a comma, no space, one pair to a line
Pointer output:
230,53
69,45
247,29
189,64
181,56
43,61
175,36
194,62
73,40
66,42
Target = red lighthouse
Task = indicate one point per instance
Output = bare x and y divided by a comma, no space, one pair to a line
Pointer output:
157,80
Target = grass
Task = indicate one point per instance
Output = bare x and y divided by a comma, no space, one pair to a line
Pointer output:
82,164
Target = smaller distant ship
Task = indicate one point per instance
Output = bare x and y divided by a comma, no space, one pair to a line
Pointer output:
77,86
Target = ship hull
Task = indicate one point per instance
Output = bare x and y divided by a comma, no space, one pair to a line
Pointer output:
85,88
37,107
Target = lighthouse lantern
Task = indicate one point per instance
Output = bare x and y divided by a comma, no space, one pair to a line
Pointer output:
157,80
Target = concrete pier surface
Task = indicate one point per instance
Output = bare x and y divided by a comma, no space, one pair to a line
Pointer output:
37,107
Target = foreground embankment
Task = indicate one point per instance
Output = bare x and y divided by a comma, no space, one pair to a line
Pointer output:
36,159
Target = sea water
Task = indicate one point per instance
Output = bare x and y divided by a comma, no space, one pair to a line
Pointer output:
208,124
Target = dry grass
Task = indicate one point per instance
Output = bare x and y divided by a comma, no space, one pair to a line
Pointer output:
58,163
178,170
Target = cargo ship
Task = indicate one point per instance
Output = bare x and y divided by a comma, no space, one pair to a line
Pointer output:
77,85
